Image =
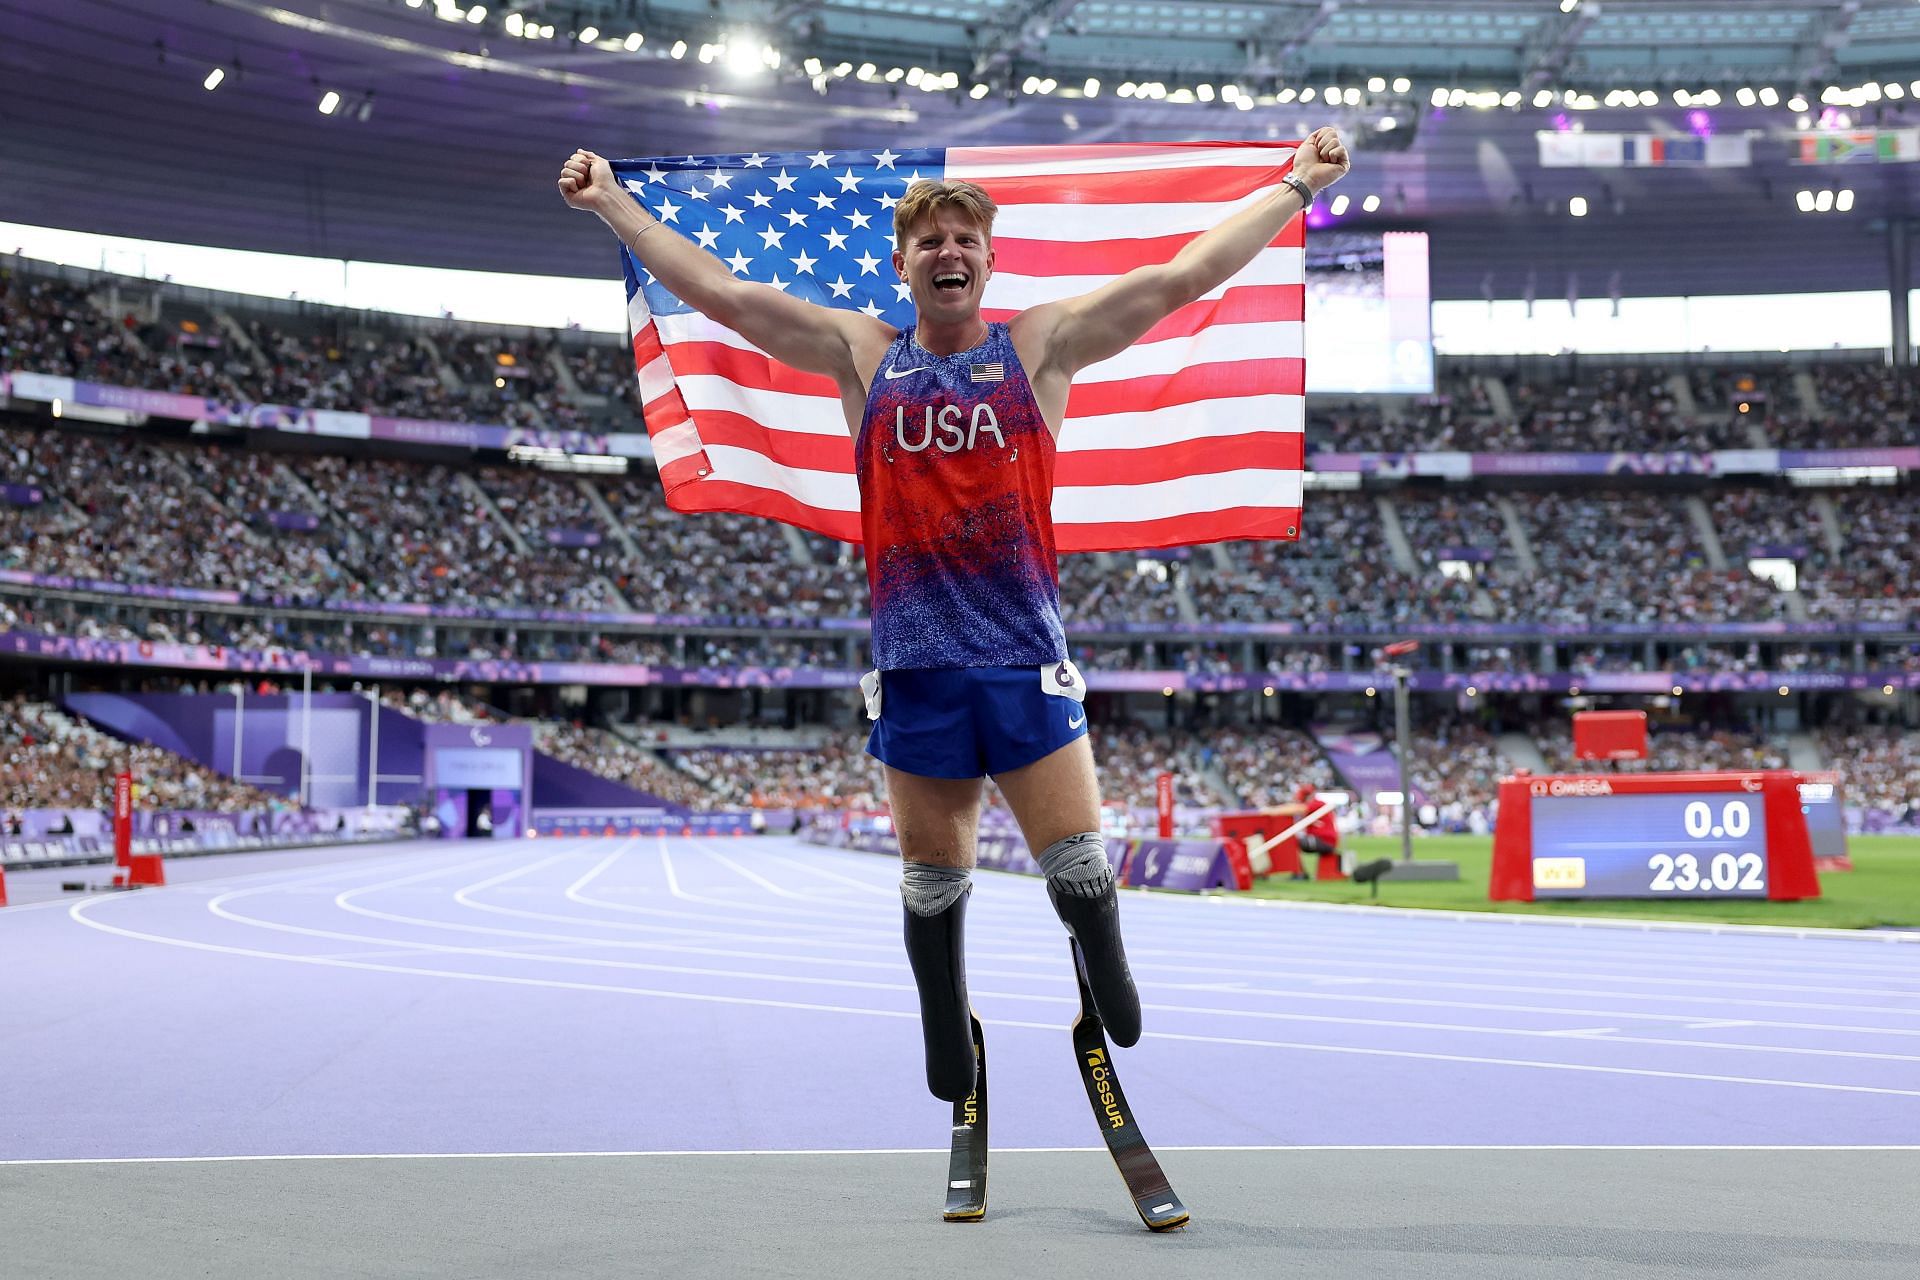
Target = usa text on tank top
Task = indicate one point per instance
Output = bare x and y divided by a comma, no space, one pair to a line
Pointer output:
955,466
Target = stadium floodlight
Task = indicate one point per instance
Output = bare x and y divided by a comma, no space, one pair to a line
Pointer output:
546,31
589,34
1568,6
915,75
329,102
1204,92
1541,97
1798,102
1577,206
1091,88
415,4
1402,85
1387,124
1511,98
1708,97
1284,96
1823,201
1332,94
896,74
1389,799
1843,203
1351,97
1376,84
1805,200
1049,85
634,41
214,77
1769,96
1371,691
978,92
1681,98
1030,85
1745,96
477,14
1340,203
1371,203
1438,97
1245,103
866,72
515,24
1126,89
1306,94
1893,89
1648,98
679,49
813,66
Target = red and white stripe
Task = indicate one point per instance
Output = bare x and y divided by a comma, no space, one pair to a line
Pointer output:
1195,434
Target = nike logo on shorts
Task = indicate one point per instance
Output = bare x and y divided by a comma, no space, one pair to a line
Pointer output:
1075,724
901,373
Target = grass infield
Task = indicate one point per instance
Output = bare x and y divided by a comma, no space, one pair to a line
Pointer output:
1882,890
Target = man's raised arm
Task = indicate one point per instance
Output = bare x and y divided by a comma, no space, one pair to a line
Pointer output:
1096,326
811,338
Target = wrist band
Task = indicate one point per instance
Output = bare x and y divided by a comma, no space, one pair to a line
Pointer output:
1300,189
632,245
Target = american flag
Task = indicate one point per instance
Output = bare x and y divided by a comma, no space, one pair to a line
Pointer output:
1195,434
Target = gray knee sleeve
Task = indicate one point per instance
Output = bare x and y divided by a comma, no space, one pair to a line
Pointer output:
1078,865
929,889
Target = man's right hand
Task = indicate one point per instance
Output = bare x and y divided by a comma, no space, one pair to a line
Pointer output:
585,180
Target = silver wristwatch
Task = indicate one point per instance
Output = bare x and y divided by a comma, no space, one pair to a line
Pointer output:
1301,189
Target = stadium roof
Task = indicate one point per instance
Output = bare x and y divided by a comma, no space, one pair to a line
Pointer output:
447,128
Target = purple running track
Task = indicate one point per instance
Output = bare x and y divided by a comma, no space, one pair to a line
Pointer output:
646,994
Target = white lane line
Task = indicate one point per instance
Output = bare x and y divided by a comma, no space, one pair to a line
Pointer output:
1371,956
1742,1022
79,913
1306,1149
218,907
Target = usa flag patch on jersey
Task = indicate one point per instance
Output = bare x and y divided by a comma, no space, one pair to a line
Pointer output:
995,372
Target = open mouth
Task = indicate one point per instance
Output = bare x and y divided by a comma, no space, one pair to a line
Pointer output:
950,282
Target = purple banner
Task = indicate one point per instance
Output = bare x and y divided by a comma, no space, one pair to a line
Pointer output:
300,521
1777,551
1364,760
22,495
573,537
1191,865
1478,555
1906,459
191,657
639,822
318,422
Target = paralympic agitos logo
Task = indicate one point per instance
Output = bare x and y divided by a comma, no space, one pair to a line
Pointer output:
1102,1077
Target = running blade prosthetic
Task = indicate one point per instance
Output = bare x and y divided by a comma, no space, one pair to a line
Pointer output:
936,950
967,1165
1146,1182
1094,925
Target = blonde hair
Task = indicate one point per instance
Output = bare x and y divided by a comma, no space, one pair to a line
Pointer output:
927,196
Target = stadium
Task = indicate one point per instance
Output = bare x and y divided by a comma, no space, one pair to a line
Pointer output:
446,649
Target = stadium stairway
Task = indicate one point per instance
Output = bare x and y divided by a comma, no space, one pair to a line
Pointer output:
1709,536
1808,393
1517,533
1803,753
479,497
1522,752
237,334
1497,398
1830,532
1682,392
598,502
1397,544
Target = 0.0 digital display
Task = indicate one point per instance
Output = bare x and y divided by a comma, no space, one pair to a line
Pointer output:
1650,846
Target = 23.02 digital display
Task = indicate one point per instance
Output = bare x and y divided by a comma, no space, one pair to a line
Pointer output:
1650,846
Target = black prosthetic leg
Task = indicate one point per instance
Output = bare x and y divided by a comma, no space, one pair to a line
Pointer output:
936,948
1094,923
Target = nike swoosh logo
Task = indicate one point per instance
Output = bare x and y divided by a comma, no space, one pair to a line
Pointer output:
1075,724
901,373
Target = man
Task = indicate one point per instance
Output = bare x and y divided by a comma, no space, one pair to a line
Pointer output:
954,424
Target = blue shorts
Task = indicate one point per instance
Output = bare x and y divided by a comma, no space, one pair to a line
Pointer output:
969,722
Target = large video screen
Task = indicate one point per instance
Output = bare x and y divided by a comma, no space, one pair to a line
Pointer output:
1369,323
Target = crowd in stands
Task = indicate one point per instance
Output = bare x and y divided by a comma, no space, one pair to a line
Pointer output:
52,760
1879,768
1261,765
839,774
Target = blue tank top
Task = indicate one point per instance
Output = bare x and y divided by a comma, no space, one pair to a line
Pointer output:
955,466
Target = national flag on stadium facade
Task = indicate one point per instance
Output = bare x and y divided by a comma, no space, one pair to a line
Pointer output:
1195,434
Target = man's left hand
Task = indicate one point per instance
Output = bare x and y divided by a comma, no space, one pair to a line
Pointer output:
1322,159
